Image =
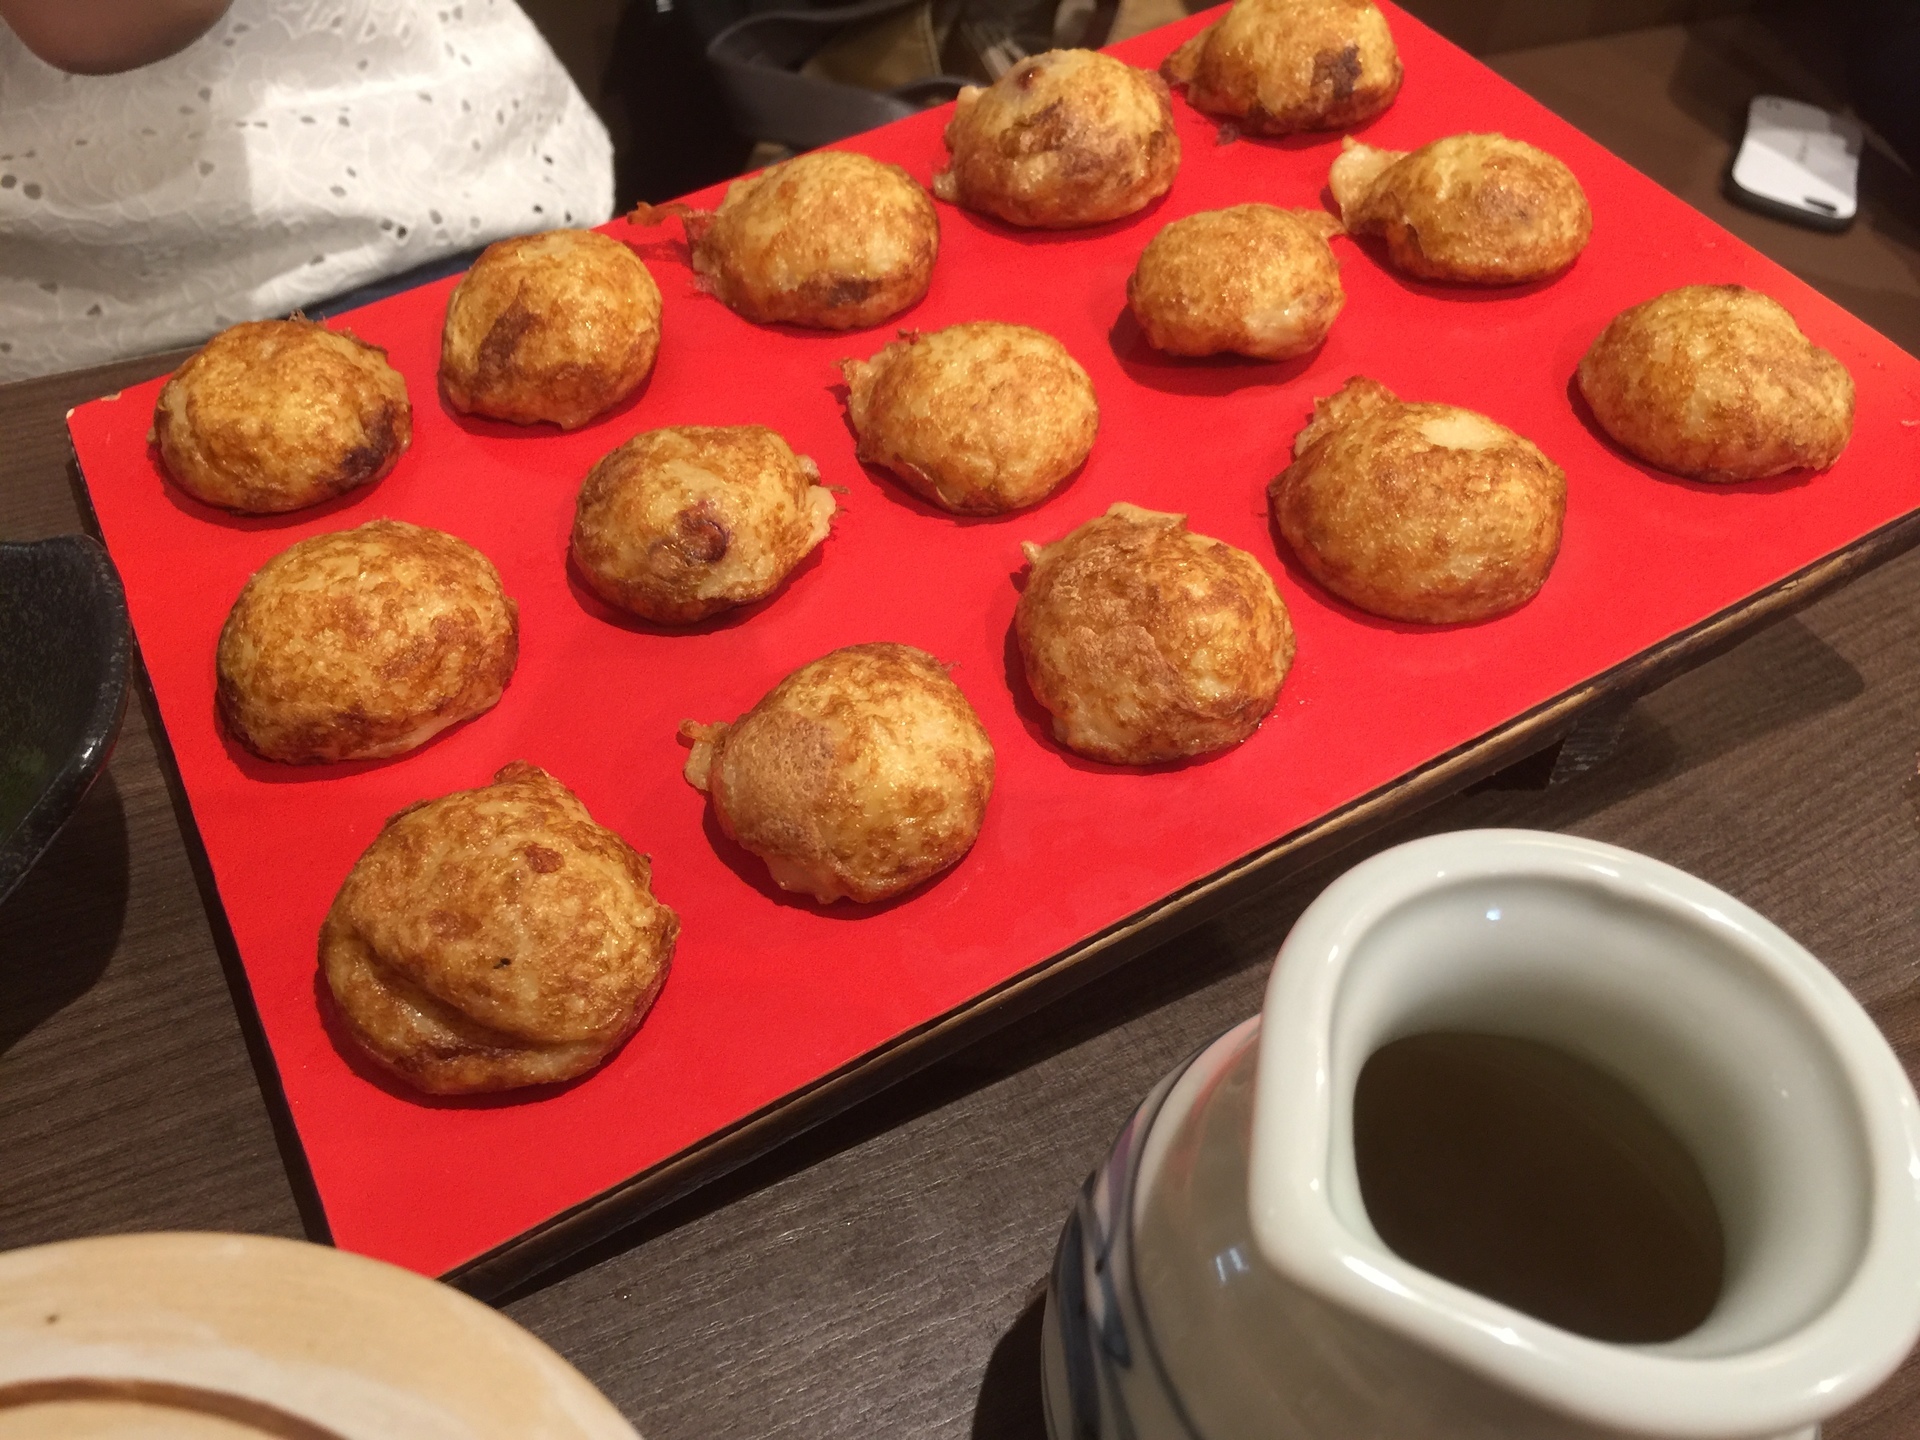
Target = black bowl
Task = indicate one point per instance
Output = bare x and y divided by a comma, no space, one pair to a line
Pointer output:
63,687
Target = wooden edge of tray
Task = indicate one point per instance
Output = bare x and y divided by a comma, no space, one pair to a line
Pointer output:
226,949
553,1241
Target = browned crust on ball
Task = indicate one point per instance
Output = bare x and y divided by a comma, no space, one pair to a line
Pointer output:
1417,511
495,938
857,777
1716,382
1149,643
1478,209
1064,139
980,418
831,239
276,415
1251,280
682,523
1274,67
558,327
364,643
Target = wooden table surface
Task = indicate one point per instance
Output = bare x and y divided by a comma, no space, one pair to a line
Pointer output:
881,1274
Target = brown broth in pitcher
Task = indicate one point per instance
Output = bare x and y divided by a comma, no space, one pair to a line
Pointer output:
1514,1170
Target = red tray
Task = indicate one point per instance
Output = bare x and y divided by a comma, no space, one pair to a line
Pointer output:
772,999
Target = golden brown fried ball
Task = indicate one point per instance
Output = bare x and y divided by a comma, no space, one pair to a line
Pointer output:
1273,67
495,938
1068,138
274,415
682,523
364,643
560,327
857,777
981,418
1252,280
1148,642
1419,512
830,239
1717,382
1481,209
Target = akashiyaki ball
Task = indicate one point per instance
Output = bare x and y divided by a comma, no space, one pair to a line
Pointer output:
682,523
1147,642
495,938
1273,67
1419,511
1252,280
980,418
364,643
829,239
558,327
1479,209
857,777
1064,139
1716,382
276,415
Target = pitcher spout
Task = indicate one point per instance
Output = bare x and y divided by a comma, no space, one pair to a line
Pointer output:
1535,1139
1753,1057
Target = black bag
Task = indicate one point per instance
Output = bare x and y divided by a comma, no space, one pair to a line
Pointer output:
694,84
802,76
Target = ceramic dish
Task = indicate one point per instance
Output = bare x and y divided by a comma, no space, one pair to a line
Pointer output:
222,1337
63,687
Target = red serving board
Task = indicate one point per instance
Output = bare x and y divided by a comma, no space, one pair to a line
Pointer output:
769,994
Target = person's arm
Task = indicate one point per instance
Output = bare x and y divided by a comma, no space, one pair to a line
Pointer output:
104,37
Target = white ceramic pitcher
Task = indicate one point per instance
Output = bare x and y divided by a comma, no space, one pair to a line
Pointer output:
1222,1278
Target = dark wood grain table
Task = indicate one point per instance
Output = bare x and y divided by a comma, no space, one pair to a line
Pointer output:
880,1275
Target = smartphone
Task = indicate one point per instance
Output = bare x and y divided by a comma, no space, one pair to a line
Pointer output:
1798,162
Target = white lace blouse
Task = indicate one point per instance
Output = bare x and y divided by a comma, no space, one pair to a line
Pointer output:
298,149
